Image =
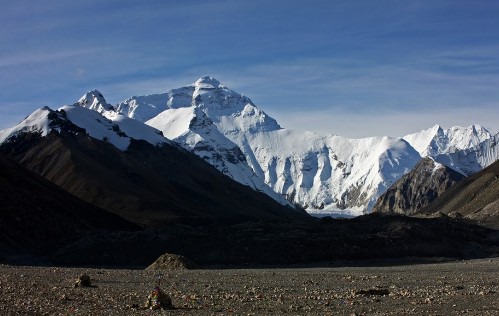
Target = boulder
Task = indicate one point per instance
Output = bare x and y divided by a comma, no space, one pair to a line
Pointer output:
83,281
158,299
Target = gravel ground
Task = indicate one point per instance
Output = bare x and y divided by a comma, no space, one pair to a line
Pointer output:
451,288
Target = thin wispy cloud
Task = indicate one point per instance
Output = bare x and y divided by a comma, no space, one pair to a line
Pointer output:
291,58
37,57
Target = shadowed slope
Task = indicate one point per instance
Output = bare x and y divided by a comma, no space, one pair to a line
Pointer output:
148,185
35,214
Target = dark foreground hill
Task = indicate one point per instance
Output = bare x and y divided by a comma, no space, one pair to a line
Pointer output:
315,241
149,185
37,216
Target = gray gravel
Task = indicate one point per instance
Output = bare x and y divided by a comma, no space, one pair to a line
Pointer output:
452,288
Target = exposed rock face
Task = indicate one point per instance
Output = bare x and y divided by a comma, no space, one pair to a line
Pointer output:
418,188
475,198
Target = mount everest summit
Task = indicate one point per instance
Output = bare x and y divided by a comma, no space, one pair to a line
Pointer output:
320,173
325,174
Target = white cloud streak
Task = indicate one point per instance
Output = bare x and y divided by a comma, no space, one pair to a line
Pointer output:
37,57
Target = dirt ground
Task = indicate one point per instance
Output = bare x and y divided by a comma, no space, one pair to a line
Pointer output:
450,288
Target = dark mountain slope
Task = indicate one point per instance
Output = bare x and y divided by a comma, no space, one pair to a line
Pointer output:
36,215
148,185
476,198
417,188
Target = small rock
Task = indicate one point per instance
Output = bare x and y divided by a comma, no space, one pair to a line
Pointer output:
158,299
381,292
83,281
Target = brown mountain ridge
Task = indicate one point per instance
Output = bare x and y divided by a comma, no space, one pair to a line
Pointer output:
149,185
417,188
475,197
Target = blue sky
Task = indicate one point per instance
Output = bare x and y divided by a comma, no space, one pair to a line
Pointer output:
351,68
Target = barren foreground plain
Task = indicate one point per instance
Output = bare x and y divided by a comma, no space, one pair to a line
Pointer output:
367,288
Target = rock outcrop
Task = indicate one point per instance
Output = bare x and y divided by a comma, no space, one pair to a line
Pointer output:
172,262
475,198
418,188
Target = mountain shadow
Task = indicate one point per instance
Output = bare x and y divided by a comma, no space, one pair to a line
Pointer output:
149,185
37,216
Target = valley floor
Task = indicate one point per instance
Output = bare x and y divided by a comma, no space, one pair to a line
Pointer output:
450,288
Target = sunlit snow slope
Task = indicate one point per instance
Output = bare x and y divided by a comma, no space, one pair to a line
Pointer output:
464,149
319,173
112,127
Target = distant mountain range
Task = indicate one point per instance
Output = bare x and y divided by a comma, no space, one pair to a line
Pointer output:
325,174
202,171
128,168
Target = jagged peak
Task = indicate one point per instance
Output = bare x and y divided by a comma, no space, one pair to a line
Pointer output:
207,82
477,128
94,100
436,128
474,128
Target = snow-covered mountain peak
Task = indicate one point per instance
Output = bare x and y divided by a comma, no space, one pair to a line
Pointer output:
437,140
474,129
229,111
36,122
436,129
207,82
108,125
210,95
325,174
94,100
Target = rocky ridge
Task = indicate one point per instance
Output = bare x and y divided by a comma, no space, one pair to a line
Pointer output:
417,188
475,198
